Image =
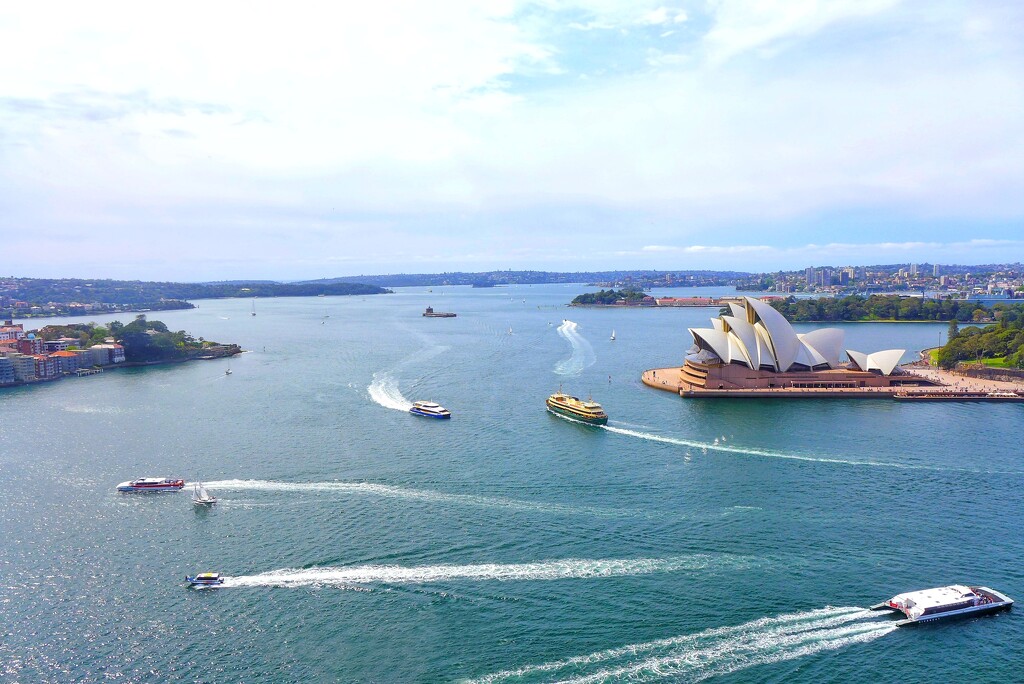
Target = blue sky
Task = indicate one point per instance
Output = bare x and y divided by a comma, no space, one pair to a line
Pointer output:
254,140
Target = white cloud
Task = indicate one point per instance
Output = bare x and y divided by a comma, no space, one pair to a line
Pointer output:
343,125
744,25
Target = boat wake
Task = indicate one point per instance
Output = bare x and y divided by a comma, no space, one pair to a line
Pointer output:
712,652
572,568
716,445
426,495
582,353
384,391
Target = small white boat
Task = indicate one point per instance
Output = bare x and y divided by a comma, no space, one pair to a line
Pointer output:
429,409
254,307
227,372
205,579
201,496
956,600
510,330
613,335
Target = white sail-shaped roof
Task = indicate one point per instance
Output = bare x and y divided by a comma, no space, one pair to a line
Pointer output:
826,341
883,361
771,342
782,337
715,340
747,337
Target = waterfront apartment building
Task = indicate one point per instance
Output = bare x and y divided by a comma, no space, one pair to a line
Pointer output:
46,367
6,371
31,345
24,367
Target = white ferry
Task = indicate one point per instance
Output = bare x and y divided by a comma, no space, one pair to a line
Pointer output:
429,409
151,484
941,603
205,579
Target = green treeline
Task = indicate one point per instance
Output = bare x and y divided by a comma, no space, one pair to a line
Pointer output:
137,292
1002,340
610,296
143,340
887,308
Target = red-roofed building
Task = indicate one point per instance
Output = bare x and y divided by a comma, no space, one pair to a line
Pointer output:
67,362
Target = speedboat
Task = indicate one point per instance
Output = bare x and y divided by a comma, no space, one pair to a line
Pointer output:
956,600
151,484
205,579
588,411
429,409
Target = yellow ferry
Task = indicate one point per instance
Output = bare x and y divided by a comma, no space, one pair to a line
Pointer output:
573,407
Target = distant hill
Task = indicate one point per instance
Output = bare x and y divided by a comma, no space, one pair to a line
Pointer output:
138,294
491,278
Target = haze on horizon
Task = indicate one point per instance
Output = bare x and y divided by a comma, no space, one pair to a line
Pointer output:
253,140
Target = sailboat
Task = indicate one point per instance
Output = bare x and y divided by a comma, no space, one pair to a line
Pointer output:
510,330
200,496
613,335
254,306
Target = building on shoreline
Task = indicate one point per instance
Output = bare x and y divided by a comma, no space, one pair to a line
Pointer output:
754,347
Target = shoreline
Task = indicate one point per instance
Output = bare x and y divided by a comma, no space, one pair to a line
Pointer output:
948,383
124,364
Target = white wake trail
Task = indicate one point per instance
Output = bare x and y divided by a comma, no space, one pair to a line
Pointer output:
384,390
582,353
717,446
426,495
572,568
713,652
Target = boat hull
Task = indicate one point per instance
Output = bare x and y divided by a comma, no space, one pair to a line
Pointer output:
426,414
957,614
995,601
168,486
589,420
198,582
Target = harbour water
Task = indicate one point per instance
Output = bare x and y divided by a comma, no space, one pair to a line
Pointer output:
731,541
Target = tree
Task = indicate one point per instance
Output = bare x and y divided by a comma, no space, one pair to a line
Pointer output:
954,330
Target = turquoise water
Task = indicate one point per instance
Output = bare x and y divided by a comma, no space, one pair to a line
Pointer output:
731,541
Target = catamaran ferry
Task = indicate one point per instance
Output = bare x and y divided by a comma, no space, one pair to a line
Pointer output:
940,603
205,579
151,484
588,411
429,409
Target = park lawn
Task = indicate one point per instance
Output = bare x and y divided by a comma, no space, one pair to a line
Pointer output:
998,362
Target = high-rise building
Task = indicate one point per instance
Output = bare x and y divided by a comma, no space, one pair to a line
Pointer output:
935,270
809,275
913,269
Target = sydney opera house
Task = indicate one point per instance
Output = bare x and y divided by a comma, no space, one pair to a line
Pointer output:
755,347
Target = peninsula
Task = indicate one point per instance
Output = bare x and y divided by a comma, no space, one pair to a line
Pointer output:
56,351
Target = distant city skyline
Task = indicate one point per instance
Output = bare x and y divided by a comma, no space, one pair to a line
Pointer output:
271,142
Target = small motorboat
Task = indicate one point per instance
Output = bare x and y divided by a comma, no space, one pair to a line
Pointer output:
205,579
956,600
151,484
613,335
429,409
227,372
202,497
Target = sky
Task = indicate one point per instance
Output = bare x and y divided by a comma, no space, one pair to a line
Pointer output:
266,140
